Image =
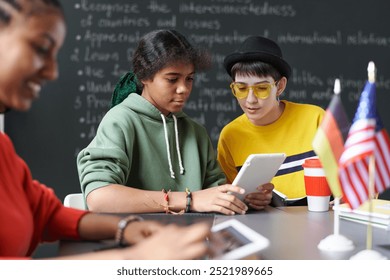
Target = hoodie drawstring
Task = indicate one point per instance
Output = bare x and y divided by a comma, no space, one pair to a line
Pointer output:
177,146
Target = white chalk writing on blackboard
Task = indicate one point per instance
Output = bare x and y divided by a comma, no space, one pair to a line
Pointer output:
109,31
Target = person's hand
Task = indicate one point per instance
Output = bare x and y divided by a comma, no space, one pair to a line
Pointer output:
138,231
260,199
219,199
173,242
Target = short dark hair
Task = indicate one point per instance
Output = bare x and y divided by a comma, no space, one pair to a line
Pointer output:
255,68
160,48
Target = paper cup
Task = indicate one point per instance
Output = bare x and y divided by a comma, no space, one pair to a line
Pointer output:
317,188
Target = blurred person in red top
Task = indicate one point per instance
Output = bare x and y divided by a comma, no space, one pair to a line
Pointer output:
31,34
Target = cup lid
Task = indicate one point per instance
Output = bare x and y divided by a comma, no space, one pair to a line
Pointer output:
312,163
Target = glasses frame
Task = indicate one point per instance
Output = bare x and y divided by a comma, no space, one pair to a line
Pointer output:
255,92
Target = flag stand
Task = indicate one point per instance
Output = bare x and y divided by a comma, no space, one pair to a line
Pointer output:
336,242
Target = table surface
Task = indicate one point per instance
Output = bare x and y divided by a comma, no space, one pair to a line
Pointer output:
294,234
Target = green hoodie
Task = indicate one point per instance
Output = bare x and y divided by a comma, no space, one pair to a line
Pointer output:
130,148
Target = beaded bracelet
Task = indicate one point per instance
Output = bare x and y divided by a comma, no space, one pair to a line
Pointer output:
121,228
166,199
188,200
167,207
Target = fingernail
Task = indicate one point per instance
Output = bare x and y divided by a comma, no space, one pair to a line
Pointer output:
243,212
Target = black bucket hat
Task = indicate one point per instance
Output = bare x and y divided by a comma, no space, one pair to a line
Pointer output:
257,48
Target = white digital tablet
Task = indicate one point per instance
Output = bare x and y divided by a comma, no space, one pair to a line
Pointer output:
232,240
257,170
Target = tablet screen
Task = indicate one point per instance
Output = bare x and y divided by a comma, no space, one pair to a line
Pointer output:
229,239
234,240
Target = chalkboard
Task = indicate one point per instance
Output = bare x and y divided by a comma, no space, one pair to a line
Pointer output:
322,40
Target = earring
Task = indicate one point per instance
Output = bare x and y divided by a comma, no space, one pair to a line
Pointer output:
277,99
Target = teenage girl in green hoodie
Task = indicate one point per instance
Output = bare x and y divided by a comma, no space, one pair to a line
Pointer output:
31,35
149,156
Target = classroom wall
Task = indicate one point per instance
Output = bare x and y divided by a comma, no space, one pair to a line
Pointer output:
322,40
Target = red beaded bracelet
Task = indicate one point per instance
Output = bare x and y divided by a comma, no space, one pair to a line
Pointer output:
166,199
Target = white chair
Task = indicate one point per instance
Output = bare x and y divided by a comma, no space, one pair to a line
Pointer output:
75,200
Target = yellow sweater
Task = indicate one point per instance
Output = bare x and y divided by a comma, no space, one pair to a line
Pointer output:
291,134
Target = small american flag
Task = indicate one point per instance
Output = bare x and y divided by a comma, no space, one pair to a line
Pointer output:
366,137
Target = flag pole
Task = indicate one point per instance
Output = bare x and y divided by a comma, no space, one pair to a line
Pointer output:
336,220
371,71
336,245
369,253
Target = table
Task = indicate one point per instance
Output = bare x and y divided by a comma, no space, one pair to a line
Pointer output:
293,231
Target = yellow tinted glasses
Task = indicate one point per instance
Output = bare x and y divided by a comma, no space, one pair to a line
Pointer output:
261,90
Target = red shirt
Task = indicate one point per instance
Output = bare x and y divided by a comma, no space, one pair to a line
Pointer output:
30,212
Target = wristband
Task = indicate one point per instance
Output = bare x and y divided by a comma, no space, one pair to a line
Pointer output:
121,228
188,200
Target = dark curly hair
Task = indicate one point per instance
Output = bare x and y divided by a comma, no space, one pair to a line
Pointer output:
160,48
18,5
